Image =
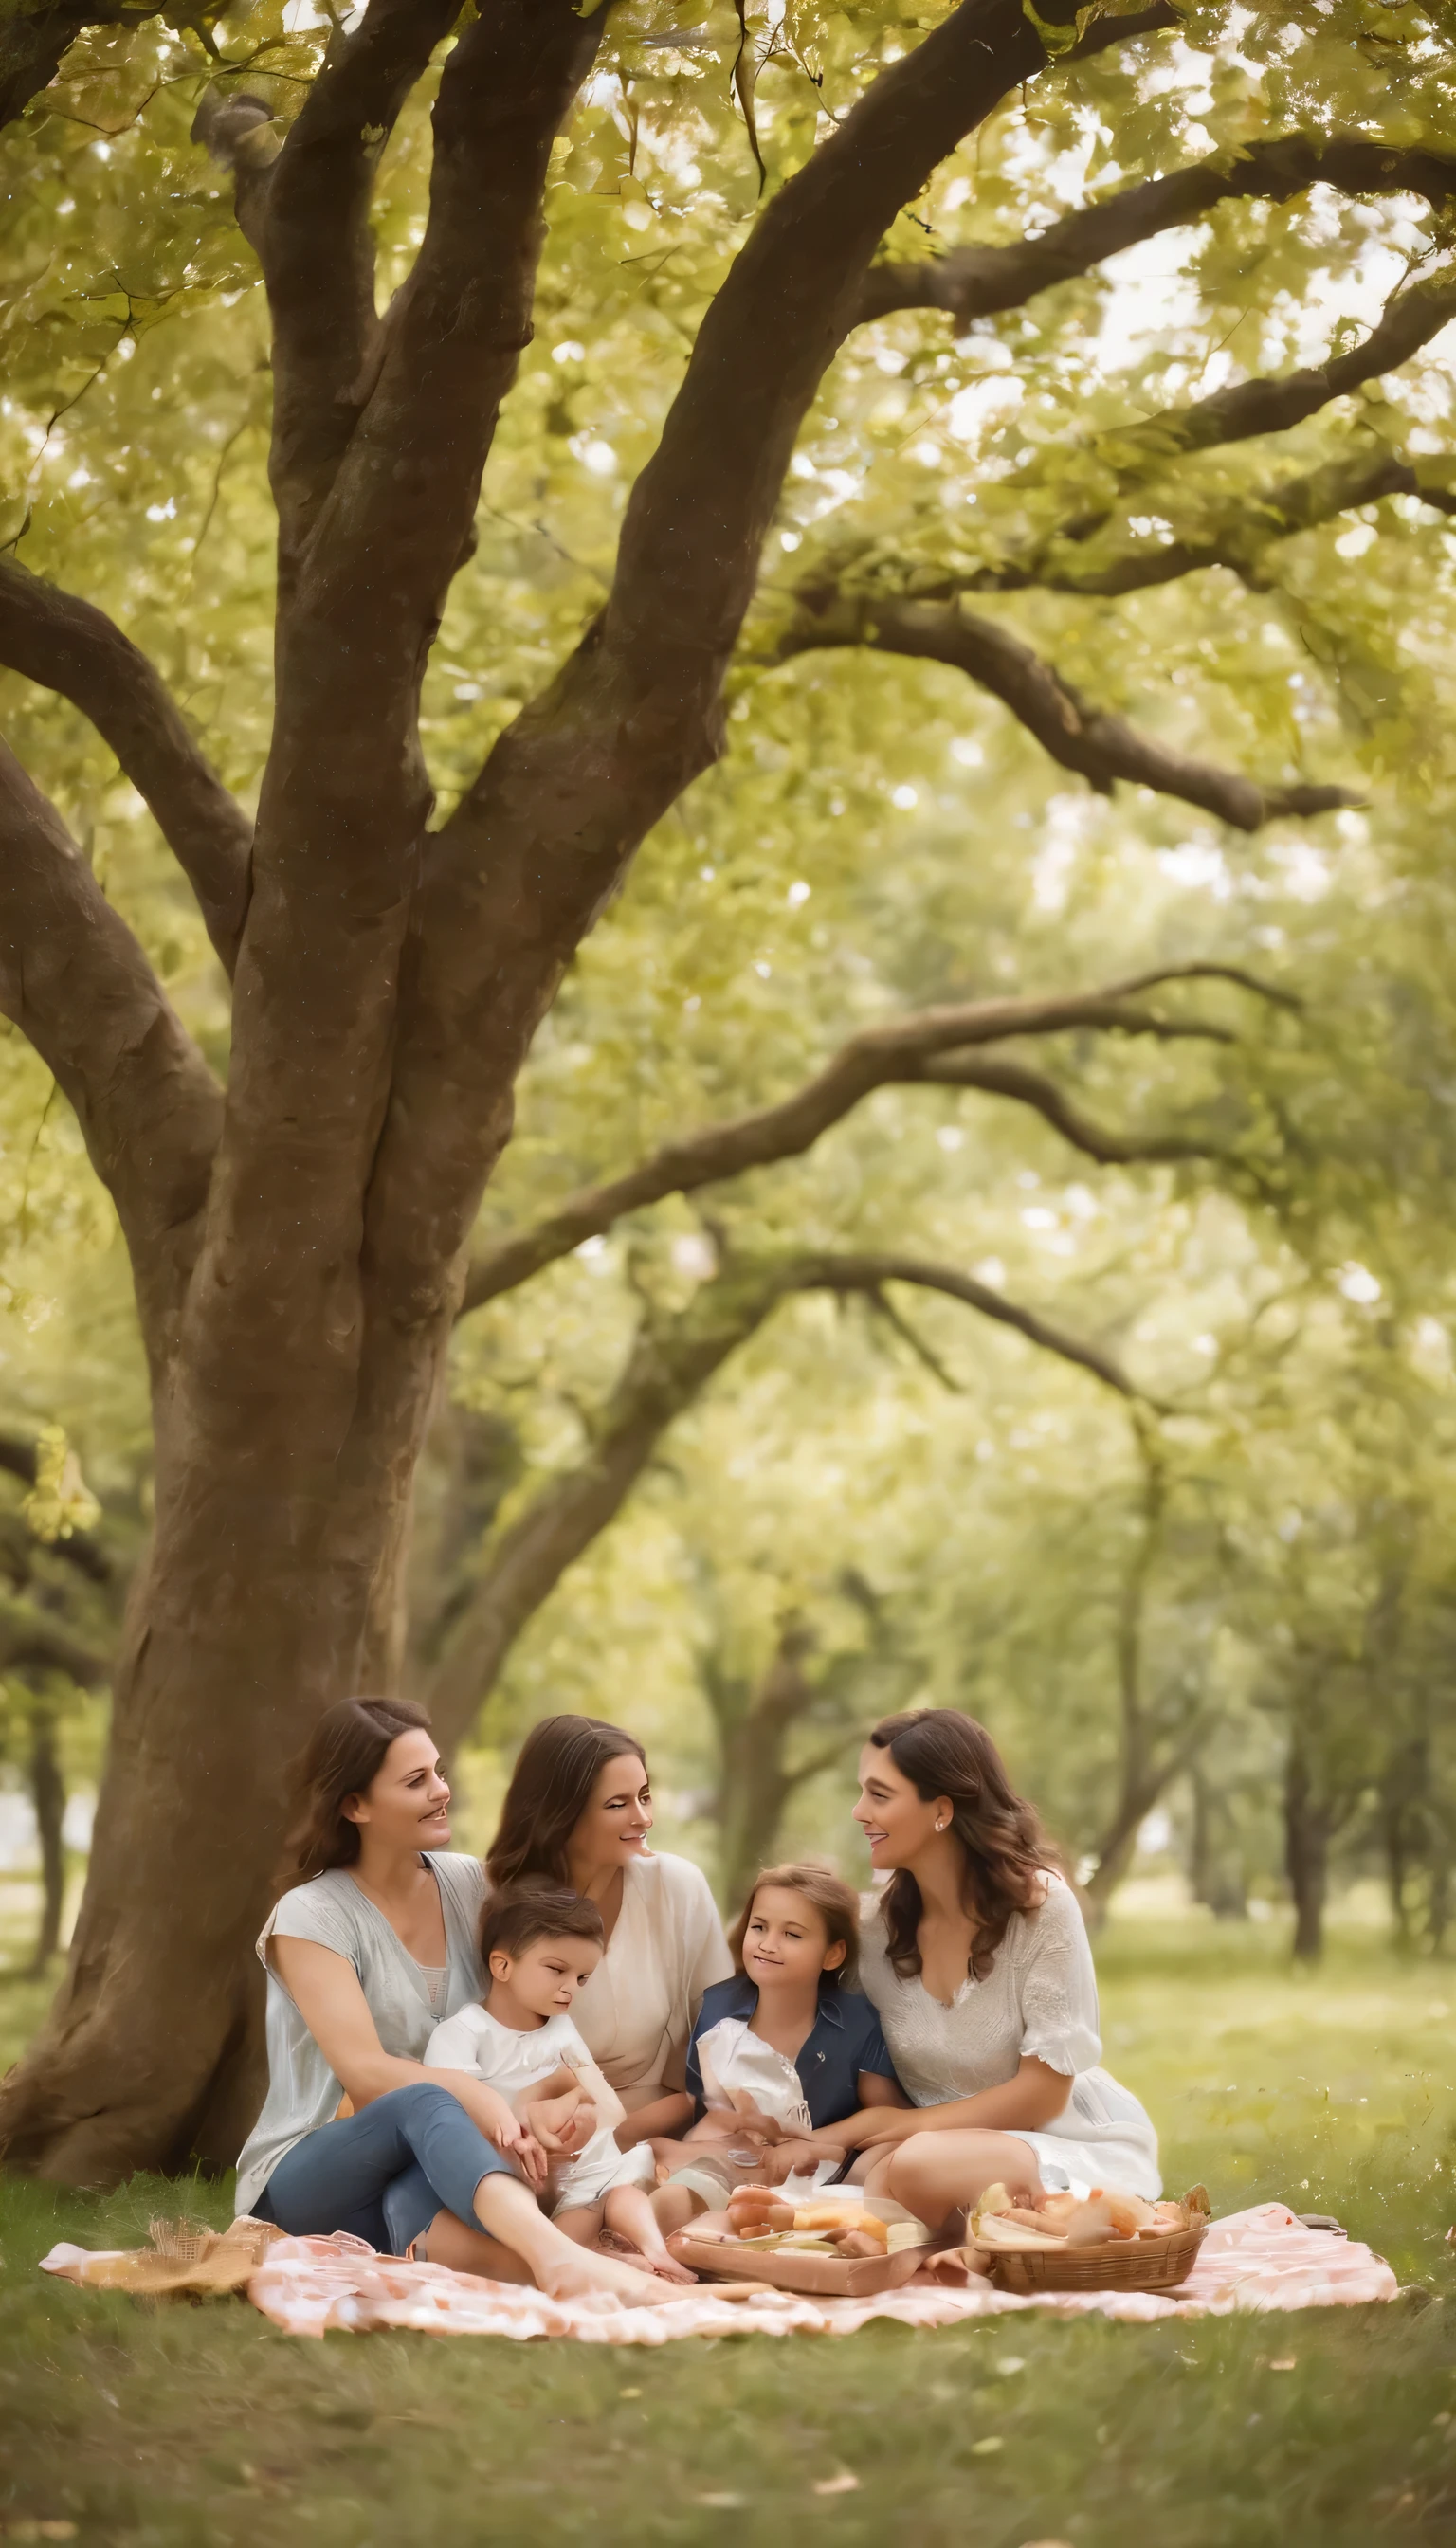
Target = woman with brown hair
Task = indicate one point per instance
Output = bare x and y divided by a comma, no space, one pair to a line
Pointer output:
363,1958
977,1962
578,1812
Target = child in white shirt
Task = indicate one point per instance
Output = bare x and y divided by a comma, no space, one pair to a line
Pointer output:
538,1945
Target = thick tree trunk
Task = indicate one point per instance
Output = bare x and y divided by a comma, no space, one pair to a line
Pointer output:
48,1795
265,1597
1307,1832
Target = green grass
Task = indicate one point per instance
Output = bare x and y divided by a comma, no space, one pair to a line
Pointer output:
180,2424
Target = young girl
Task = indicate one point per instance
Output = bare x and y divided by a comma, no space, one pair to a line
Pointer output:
788,2038
538,1946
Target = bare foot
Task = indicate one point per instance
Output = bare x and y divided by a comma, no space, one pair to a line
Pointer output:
584,2270
669,2269
652,2260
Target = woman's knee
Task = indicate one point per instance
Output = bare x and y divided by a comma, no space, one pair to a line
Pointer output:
910,2159
416,2097
957,2168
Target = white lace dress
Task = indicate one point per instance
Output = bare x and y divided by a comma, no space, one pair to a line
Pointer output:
1039,1998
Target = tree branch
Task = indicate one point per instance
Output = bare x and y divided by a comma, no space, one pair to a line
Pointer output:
74,980
1246,408
536,845
70,647
903,1051
832,1273
33,42
303,201
1061,563
1112,1150
1240,537
828,1757
977,282
670,1362
31,1636
1137,452
698,514
1100,747
400,511
882,1307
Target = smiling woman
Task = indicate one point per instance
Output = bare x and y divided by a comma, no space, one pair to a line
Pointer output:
578,1812
977,1962
363,1959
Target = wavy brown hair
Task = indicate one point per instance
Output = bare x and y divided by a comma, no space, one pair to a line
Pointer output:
556,1770
836,1903
1005,1851
342,1758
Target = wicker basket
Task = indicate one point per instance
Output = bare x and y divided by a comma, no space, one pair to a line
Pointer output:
1120,2265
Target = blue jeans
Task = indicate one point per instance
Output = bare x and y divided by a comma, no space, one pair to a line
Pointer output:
383,2173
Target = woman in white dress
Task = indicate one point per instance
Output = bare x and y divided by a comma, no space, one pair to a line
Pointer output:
977,1962
578,1812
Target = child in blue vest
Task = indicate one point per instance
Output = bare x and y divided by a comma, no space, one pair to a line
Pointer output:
788,2038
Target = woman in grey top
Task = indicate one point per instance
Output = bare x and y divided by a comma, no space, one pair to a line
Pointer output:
363,1959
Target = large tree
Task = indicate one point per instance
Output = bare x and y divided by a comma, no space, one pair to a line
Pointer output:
300,1240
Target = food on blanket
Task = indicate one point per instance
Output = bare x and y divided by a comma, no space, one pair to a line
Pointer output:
993,2230
753,2202
869,2225
1100,2219
766,2211
844,2228
1055,2210
906,2233
1106,2214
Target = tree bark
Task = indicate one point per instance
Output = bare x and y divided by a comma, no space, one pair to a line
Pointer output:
48,1795
754,1724
263,1600
1306,1834
1142,1776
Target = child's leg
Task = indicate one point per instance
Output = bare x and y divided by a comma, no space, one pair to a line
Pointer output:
582,2223
674,2206
631,2213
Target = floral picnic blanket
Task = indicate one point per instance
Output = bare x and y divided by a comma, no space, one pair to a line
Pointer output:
1261,2260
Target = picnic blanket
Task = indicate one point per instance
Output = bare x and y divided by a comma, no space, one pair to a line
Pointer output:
1261,2260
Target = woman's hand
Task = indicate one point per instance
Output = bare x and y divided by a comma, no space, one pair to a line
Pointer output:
796,2159
491,2115
878,2127
747,2122
1030,2101
563,2125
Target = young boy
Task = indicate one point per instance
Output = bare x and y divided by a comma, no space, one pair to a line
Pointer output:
538,1945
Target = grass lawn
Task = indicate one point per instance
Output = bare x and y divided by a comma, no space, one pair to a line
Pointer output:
186,2424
